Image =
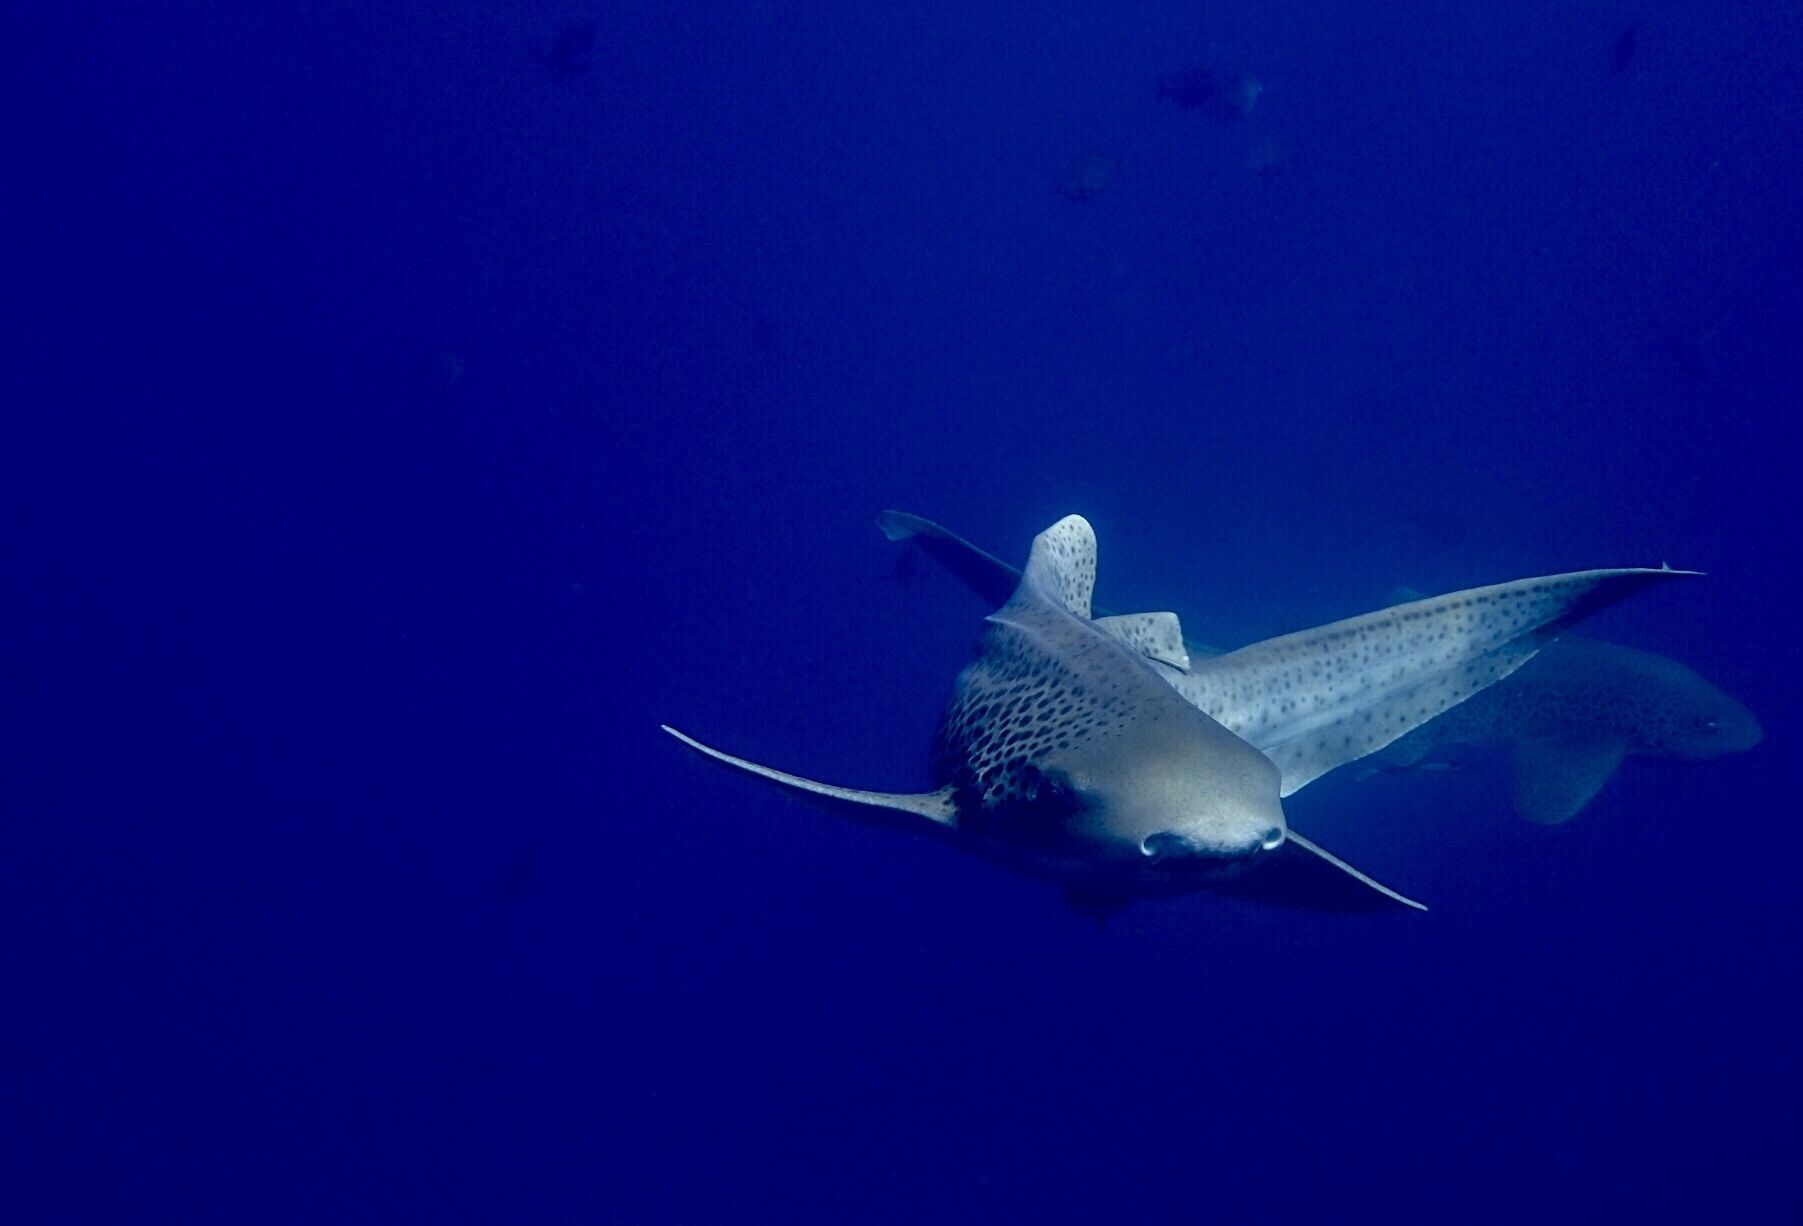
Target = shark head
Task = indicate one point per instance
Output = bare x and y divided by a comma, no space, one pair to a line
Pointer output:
1138,787
1681,715
1060,731
1176,799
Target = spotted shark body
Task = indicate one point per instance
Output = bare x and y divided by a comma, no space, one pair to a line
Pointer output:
1066,755
1317,699
1100,752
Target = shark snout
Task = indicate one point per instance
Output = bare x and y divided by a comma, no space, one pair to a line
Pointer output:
1744,731
1169,845
1723,728
1164,845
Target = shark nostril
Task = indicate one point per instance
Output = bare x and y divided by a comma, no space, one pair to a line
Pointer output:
1273,839
1156,846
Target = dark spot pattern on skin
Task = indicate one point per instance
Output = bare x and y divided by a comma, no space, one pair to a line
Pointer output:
1319,698
1013,706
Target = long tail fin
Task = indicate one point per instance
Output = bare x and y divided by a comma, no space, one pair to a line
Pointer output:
1323,697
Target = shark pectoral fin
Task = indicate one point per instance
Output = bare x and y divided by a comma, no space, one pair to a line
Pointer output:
1346,868
1555,779
1156,636
937,807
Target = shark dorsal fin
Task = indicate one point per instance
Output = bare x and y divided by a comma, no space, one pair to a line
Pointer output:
1062,567
995,581
1156,636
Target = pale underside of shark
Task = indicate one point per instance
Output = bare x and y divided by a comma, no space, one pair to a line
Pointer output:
1101,753
1572,715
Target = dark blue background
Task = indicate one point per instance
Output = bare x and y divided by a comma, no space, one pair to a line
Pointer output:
401,433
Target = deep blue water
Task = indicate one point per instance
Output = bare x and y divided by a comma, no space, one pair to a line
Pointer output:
403,430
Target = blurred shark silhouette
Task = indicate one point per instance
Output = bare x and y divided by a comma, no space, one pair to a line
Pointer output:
1098,753
1571,716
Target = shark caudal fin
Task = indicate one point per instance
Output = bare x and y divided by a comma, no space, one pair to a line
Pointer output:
984,573
1320,698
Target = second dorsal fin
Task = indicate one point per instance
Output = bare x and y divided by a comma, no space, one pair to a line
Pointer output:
1156,636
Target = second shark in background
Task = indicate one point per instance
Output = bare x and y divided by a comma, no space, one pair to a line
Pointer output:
1571,715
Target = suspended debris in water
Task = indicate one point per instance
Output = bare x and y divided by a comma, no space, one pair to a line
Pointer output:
1219,96
447,370
1622,53
1087,175
571,51
1268,158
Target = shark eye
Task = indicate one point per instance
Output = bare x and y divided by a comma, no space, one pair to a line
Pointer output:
1040,788
1708,724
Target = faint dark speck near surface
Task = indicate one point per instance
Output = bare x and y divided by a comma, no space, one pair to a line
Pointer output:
571,51
1621,52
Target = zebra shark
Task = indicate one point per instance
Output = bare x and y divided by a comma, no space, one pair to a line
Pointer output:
1573,714
1099,753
